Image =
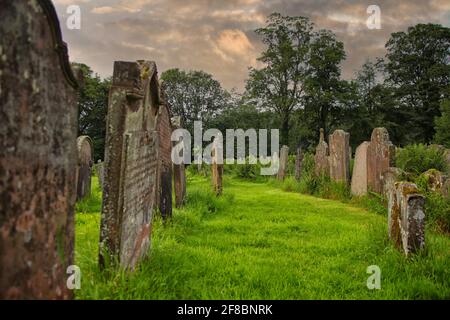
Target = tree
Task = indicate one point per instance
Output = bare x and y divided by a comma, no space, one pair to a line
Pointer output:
279,85
324,89
418,69
193,95
443,125
93,108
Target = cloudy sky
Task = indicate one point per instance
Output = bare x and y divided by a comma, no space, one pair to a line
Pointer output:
217,36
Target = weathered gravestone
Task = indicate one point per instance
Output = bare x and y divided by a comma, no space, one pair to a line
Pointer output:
406,217
164,128
380,156
38,153
359,176
283,163
339,159
298,163
100,169
130,173
179,172
84,168
322,166
217,167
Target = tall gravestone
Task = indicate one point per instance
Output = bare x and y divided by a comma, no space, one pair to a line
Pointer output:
131,161
322,166
339,159
217,168
164,128
380,156
179,172
406,217
99,169
283,163
38,153
298,163
359,176
84,168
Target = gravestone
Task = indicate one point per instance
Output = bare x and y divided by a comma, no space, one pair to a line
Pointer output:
406,217
84,168
283,163
322,166
131,162
359,176
100,169
179,172
38,153
380,157
164,128
339,158
298,163
217,168
391,176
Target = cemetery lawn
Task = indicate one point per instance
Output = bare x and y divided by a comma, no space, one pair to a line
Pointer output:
258,242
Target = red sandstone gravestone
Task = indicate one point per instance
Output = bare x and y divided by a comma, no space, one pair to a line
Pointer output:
380,157
38,154
130,168
283,163
164,128
339,159
84,168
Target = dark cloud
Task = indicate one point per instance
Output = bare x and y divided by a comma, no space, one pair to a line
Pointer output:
217,36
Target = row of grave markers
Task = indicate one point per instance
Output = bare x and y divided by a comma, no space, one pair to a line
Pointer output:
373,171
45,168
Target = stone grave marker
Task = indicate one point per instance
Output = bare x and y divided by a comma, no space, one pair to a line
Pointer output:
322,166
380,157
284,158
131,162
84,168
359,176
179,172
164,128
339,158
217,168
298,163
38,153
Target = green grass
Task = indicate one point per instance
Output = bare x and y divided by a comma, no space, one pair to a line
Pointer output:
258,242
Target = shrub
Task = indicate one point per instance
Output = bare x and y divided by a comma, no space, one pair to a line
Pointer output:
418,158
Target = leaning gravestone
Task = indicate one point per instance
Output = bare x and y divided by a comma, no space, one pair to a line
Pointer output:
380,157
130,173
283,163
322,166
179,172
359,176
339,159
406,217
217,167
84,168
164,128
38,132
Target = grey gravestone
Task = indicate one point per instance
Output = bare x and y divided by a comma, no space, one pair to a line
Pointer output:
179,172
217,168
38,153
359,176
339,159
406,217
130,172
322,166
84,168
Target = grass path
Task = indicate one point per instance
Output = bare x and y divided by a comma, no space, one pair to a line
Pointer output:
257,242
